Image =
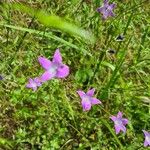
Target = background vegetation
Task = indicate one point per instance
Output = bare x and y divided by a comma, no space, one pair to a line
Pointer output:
52,117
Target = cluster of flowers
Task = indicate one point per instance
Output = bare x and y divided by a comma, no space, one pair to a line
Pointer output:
56,69
53,69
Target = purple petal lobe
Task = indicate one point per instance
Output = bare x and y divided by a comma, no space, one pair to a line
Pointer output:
145,143
91,92
113,118
47,76
119,115
125,121
113,5
62,71
147,138
81,93
146,133
117,129
44,62
86,105
95,101
123,128
101,9
105,2
57,57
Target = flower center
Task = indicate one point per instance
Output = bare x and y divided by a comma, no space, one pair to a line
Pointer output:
108,9
118,122
34,84
53,68
86,98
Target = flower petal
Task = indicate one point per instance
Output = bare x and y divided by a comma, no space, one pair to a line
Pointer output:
125,121
113,118
113,5
44,62
86,105
146,133
62,71
123,128
90,92
34,88
105,15
95,101
57,57
110,14
119,115
105,2
117,129
146,143
30,83
81,93
101,9
47,76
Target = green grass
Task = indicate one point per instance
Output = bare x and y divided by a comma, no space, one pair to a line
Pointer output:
52,118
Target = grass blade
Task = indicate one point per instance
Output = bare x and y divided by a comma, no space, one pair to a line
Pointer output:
48,35
54,21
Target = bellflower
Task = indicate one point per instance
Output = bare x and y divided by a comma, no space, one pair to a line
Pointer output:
119,122
107,9
54,68
147,138
34,83
87,99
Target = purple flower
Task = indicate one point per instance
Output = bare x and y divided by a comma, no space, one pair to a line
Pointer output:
107,9
87,99
54,68
147,138
119,122
34,83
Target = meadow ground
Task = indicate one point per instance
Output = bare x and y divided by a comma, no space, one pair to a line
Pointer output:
52,117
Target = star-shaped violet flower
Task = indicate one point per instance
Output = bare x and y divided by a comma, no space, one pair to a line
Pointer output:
34,83
119,122
107,9
147,138
87,99
54,68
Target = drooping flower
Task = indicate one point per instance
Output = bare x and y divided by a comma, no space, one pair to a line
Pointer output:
34,83
107,9
111,51
54,68
147,138
119,122
87,99
120,38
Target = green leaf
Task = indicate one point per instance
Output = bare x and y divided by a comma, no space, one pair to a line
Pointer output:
54,21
